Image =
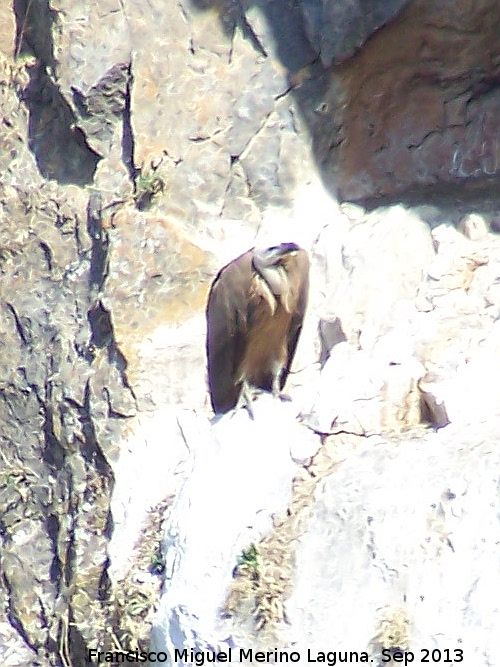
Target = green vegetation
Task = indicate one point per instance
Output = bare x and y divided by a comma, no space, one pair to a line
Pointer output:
250,562
147,186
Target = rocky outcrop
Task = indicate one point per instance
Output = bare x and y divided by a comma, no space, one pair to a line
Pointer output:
406,314
385,546
217,516
64,399
418,106
396,506
337,30
406,559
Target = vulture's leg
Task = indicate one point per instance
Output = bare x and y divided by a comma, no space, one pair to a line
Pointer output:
277,393
246,393
276,382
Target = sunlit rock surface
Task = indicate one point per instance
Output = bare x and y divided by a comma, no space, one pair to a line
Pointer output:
397,523
404,530
219,513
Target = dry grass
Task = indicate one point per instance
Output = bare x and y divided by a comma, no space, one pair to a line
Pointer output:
394,629
136,596
256,601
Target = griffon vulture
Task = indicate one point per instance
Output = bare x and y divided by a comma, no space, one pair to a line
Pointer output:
254,316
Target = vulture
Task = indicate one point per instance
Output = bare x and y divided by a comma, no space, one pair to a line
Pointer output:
255,310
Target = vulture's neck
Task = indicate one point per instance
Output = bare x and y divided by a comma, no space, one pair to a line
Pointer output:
273,274
275,277
275,280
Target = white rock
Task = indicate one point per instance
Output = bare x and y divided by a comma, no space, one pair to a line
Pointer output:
364,393
473,226
149,469
241,475
383,261
412,525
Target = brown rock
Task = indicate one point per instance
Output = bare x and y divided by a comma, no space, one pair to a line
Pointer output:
7,29
417,102
434,407
474,227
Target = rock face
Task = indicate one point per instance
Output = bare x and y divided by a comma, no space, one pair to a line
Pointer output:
337,30
410,551
213,526
64,399
389,538
419,103
409,312
387,546
142,146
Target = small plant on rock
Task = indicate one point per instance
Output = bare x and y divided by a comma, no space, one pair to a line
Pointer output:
148,184
249,562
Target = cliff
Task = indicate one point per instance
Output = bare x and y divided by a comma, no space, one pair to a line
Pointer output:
144,144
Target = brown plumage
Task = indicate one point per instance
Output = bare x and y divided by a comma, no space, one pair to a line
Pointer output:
255,311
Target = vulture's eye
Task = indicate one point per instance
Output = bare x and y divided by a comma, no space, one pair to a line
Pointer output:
274,252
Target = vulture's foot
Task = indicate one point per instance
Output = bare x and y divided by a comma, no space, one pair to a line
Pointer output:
276,391
247,396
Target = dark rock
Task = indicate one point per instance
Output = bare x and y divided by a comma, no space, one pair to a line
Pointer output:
58,433
330,333
433,405
419,104
60,147
336,30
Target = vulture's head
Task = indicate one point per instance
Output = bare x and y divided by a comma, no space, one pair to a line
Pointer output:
273,264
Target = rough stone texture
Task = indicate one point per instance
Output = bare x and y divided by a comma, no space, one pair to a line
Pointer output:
406,304
338,30
409,337
413,535
419,104
7,29
388,544
217,515
142,145
207,164
58,436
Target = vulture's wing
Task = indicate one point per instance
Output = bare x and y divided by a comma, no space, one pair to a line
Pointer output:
227,329
302,276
